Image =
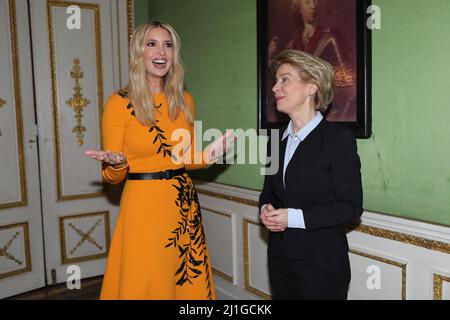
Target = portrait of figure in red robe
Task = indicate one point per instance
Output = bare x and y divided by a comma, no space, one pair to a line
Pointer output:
324,28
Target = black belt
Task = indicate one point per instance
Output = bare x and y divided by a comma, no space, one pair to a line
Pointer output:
168,174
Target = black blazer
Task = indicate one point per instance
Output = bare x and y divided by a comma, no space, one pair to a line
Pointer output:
323,179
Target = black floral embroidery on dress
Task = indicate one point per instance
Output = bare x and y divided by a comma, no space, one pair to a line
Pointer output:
163,147
190,223
130,107
157,108
124,94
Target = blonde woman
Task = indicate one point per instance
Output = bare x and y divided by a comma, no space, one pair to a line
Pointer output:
317,190
158,250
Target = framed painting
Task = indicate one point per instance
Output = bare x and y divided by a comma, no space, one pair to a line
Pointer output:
334,30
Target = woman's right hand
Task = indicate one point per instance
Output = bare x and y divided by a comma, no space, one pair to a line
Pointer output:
114,159
265,213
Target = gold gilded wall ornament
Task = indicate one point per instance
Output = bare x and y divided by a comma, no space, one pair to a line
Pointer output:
85,236
77,102
16,250
4,251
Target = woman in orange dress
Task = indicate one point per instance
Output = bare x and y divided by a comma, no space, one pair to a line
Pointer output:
158,250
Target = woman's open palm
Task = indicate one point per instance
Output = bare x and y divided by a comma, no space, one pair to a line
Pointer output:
113,158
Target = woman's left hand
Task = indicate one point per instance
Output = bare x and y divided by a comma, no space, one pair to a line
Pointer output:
220,146
277,220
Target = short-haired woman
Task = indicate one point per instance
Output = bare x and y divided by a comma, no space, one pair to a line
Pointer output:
317,189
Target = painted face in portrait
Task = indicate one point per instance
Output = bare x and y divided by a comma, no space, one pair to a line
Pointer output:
158,53
308,10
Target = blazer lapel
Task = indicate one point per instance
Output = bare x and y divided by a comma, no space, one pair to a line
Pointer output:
283,144
305,147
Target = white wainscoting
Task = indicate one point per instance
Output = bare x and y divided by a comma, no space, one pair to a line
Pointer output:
396,258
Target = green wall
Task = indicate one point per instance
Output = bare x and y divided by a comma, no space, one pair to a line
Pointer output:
406,163
141,11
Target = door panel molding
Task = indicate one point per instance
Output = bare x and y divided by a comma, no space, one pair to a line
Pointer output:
71,182
85,236
38,213
59,102
17,96
21,247
13,253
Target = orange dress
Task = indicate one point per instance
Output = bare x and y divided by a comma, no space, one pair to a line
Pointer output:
158,250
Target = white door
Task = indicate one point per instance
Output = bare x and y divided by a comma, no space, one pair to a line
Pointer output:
76,68
21,243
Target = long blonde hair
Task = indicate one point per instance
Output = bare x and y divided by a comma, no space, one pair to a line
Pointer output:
139,92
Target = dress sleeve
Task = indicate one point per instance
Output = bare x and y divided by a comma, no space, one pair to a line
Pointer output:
193,158
114,120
